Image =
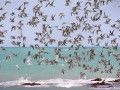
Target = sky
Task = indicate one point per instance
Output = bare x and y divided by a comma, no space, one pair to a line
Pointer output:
112,10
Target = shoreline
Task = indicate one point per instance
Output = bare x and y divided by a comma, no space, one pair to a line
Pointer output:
65,83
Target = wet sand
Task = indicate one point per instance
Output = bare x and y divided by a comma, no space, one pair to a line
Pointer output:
53,88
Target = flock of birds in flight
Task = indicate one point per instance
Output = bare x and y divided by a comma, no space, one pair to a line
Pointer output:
87,19
92,13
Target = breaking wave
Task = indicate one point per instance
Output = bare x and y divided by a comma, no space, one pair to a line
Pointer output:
66,83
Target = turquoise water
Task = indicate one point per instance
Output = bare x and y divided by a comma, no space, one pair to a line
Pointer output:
14,67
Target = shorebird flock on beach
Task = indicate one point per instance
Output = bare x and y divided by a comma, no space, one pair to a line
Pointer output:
59,23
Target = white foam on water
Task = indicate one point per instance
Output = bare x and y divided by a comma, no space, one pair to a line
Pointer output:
17,66
66,83
15,82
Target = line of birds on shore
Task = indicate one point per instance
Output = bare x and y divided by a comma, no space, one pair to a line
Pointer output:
89,20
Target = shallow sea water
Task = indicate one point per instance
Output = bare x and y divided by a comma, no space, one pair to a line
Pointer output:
9,67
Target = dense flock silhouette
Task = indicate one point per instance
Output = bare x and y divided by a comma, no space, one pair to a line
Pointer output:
86,23
83,23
